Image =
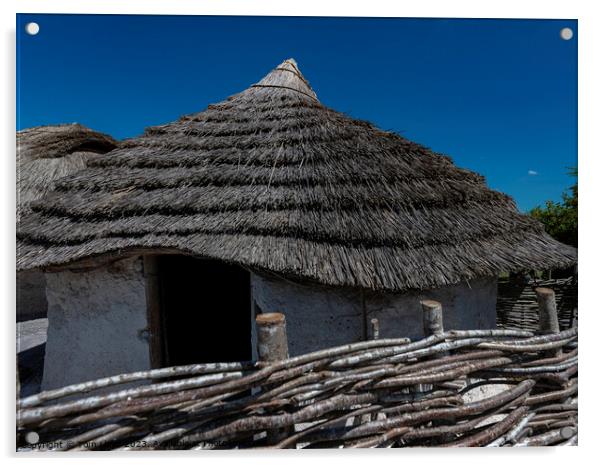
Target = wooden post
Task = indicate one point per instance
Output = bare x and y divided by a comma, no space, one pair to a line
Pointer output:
432,323
432,318
375,328
548,316
272,345
157,347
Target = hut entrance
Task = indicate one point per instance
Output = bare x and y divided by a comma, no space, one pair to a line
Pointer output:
205,311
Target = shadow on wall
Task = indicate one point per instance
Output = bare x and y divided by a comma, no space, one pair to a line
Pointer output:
31,296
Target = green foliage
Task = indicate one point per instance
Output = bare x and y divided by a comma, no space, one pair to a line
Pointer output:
560,218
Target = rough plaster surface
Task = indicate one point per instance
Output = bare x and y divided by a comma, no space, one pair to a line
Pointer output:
31,296
318,317
95,322
465,306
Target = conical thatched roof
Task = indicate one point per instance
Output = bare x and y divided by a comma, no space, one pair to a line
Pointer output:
47,153
273,180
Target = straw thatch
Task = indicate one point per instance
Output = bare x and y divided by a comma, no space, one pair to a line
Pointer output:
272,179
47,153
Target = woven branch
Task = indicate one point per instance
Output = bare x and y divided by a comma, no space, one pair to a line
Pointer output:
381,393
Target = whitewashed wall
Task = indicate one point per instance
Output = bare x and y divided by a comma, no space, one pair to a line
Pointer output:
316,317
465,306
319,317
97,318
96,322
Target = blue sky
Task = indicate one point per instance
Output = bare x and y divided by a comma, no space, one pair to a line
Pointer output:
498,96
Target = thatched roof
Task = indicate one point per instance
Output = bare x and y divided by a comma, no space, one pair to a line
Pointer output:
274,180
47,153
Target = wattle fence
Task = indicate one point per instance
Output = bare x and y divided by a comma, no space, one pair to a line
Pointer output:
452,389
517,302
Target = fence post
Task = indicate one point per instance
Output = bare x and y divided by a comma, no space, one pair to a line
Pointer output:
375,336
432,323
375,328
432,317
272,345
548,315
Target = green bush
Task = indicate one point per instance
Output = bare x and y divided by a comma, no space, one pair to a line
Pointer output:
560,218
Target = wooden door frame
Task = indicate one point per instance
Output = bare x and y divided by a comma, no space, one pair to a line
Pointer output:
154,318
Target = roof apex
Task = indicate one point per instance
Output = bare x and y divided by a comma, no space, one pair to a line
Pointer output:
287,76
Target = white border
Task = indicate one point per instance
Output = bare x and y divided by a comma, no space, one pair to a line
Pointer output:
590,156
423,8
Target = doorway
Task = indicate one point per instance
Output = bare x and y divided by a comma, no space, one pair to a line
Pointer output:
205,311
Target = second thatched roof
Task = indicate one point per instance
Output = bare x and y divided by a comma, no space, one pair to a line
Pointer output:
274,180
47,153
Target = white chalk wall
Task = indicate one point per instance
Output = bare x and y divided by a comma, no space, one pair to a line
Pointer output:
465,306
96,323
316,317
319,317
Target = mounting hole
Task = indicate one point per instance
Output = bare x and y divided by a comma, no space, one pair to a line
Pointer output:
567,432
32,28
566,33
32,437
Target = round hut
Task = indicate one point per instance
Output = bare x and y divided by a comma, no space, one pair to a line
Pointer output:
164,250
44,154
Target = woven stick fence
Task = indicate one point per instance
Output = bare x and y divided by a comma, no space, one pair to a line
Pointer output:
451,389
517,303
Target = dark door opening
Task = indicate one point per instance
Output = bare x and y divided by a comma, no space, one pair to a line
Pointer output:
205,308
